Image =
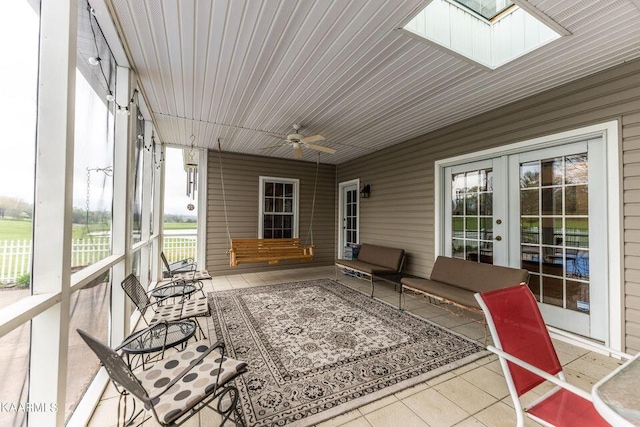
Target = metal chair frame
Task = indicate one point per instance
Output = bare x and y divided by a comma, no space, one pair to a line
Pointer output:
120,373
140,298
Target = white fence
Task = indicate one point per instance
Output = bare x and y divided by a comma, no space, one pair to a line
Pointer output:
15,255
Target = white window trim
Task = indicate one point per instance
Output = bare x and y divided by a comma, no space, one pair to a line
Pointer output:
296,202
609,131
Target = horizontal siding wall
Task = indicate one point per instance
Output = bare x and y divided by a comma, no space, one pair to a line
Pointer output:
400,211
241,183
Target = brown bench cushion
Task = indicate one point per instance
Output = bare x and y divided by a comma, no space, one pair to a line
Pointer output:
439,289
474,276
356,264
388,259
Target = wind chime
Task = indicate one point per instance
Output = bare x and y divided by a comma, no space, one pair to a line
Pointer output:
191,167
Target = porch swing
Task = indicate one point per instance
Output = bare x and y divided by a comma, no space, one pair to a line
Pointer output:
272,251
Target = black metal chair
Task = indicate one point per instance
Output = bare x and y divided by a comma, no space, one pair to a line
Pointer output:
186,270
173,399
184,309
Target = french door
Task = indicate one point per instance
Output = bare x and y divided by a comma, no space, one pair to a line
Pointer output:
349,211
545,211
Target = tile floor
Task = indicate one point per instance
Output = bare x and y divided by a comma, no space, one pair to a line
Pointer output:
472,395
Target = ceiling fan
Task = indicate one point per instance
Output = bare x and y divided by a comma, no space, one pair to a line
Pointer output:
298,141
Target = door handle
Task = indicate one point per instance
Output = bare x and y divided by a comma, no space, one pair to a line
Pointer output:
498,238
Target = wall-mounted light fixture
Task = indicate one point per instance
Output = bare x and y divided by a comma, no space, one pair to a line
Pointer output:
366,191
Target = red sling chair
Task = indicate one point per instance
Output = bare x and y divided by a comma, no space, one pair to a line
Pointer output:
528,359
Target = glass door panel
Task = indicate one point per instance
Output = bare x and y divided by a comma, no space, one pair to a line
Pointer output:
348,213
555,224
470,214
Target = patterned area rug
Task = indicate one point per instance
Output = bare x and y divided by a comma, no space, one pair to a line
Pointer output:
317,349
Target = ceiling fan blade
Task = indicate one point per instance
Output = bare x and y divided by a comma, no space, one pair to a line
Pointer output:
272,146
321,148
312,138
297,152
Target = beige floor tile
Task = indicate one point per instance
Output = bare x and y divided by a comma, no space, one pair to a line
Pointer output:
500,415
469,397
465,368
341,419
380,403
470,422
585,367
358,422
396,414
428,311
411,390
495,366
440,378
472,330
435,409
568,348
489,381
450,320
599,359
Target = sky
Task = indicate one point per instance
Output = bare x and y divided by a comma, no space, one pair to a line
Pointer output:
18,85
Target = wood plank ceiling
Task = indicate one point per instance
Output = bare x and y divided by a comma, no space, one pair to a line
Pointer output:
339,68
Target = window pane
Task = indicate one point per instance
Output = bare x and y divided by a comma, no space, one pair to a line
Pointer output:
268,188
530,175
576,169
89,312
552,171
19,33
577,200
529,203
279,205
138,193
93,151
486,204
19,40
552,201
180,223
529,230
279,189
14,369
488,9
471,204
288,190
552,292
552,231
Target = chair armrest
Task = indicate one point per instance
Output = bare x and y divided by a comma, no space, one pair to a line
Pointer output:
219,344
539,372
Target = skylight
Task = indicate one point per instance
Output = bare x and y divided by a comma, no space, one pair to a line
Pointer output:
488,9
489,32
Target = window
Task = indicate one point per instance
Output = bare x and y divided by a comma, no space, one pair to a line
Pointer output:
278,208
490,33
488,9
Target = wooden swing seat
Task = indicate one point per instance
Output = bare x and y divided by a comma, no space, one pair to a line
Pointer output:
251,251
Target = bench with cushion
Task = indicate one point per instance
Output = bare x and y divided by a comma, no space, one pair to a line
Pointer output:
374,260
455,281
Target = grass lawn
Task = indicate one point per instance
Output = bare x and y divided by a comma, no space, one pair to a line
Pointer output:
180,225
20,229
15,229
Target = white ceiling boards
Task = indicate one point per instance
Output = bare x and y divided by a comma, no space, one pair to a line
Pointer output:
340,68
